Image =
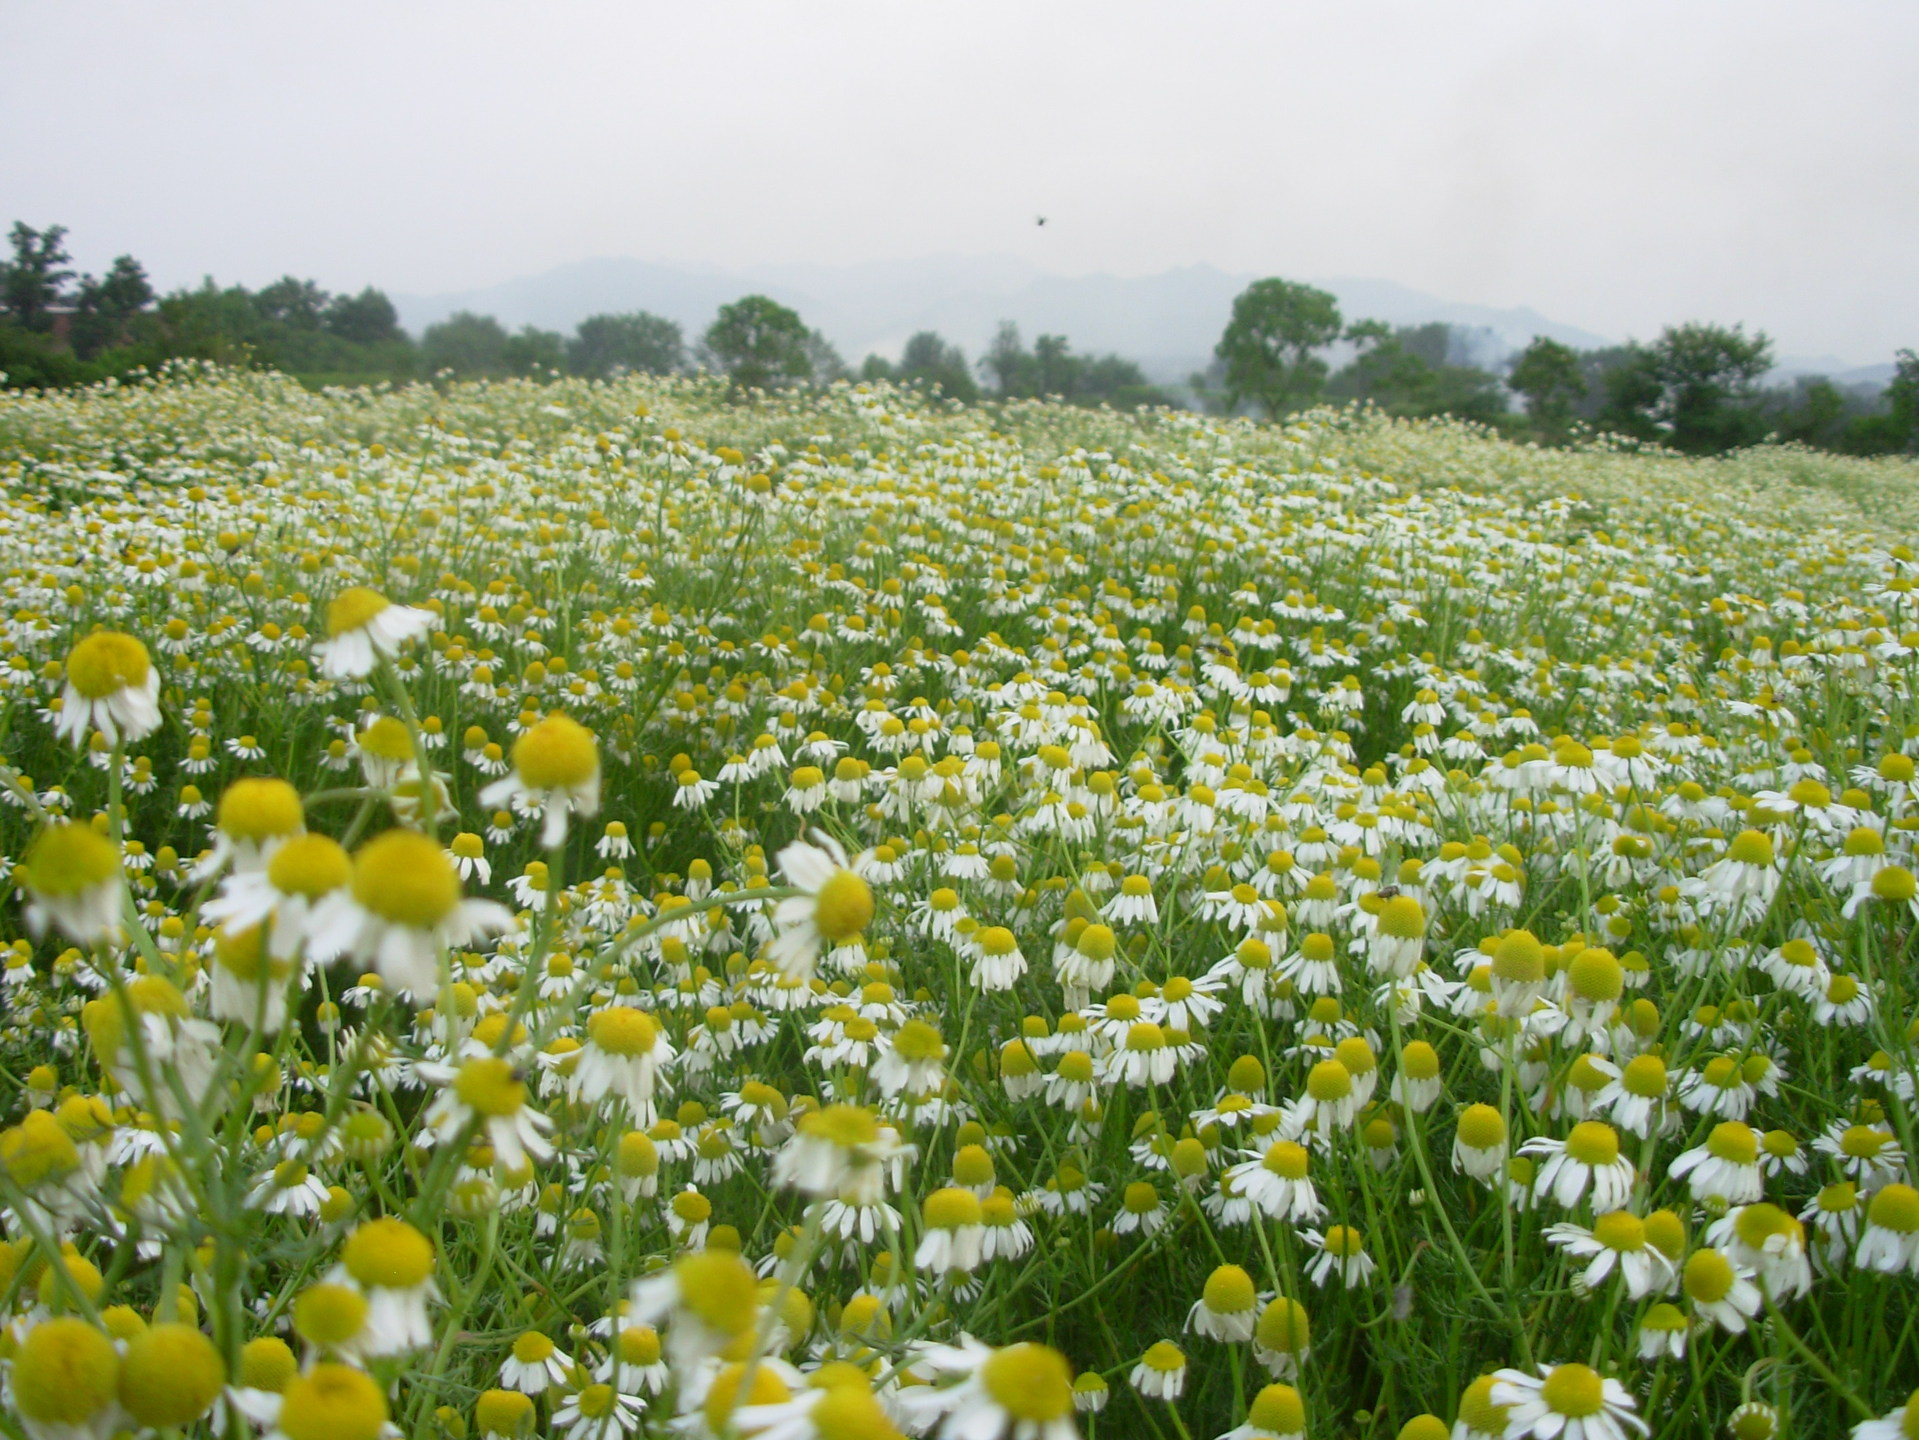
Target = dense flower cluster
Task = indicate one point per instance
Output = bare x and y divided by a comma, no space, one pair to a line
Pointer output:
887,919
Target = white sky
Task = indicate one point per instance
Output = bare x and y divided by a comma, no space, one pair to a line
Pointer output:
1615,165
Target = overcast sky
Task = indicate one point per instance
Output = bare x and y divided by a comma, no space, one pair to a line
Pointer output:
1615,165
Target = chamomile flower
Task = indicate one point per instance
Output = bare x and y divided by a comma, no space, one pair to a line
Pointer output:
1587,1160
1900,1424
1227,1308
625,1056
1565,1402
1278,1183
1161,1372
72,880
111,687
1342,1253
1277,1413
1890,1242
1720,1290
65,1382
407,910
364,628
534,1364
1021,1392
836,906
392,1264
1727,1165
556,772
1769,1242
1616,1241
486,1097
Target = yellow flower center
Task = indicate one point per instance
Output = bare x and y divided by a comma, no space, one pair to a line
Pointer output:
1283,1327
951,1209
1278,1410
170,1375
504,1412
405,878
1750,847
388,739
388,1254
1145,1035
1596,975
1165,1357
309,865
352,608
37,1149
559,753
333,1402
640,1345
1574,1391
849,1412
1402,918
267,1363
622,1030
65,1373
490,1086
1895,884
1519,958
843,907
732,1388
1895,1208
1030,1382
532,1348
1708,1277
1593,1142
1287,1160
720,1289
1756,1224
1344,1241
70,859
1620,1230
260,808
1477,1410
1229,1291
106,663
1356,1055
1329,1081
1735,1142
917,1041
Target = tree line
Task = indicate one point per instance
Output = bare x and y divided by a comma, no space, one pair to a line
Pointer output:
58,329
1696,388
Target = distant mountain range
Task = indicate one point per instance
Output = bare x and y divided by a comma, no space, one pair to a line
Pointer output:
1167,322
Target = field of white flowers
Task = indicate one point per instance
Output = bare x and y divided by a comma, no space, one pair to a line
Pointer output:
588,910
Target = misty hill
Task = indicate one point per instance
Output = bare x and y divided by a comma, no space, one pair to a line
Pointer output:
1167,322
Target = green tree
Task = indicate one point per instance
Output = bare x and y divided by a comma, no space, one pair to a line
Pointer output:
1051,368
1708,373
1692,389
1547,373
364,319
759,344
1902,400
295,304
1269,345
930,360
532,350
105,309
1008,362
467,344
635,342
823,361
34,281
1407,372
